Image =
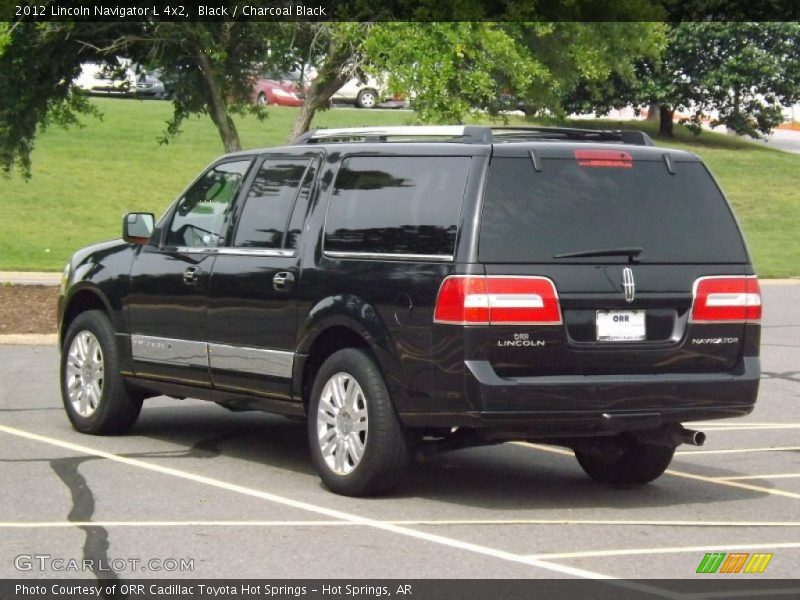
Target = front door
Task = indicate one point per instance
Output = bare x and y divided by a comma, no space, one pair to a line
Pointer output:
252,312
168,290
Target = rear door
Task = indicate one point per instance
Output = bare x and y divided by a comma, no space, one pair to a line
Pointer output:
624,234
252,314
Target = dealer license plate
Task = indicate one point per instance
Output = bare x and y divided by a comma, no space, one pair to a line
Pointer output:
620,325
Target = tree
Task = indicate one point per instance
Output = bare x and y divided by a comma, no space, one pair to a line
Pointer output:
337,49
451,60
747,71
452,69
735,74
209,64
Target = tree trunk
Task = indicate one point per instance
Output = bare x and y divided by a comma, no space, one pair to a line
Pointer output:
218,109
653,111
330,78
665,128
318,96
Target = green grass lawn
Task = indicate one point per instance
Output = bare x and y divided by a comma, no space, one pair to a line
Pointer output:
84,180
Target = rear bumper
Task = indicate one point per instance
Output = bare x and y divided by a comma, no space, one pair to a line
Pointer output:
568,405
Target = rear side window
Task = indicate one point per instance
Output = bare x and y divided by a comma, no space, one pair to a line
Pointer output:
396,205
568,207
270,201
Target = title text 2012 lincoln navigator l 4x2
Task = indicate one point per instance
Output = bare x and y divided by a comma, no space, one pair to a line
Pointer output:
414,289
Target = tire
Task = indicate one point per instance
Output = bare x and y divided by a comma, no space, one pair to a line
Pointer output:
262,99
365,452
637,463
93,391
367,99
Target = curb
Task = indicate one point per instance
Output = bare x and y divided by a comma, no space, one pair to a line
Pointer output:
29,339
30,278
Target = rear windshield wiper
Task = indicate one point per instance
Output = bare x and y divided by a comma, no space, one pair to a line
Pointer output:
632,253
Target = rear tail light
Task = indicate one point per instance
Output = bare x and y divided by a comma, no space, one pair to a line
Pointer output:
479,300
726,299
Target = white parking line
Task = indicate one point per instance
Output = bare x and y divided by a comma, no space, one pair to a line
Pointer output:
725,482
352,518
771,476
734,484
747,594
406,522
738,450
66,524
742,425
667,550
750,427
545,448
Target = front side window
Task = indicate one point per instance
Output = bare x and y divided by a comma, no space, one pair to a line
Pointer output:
270,200
201,215
401,205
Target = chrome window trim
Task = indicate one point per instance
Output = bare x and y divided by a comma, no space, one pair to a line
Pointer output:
242,251
244,359
387,256
192,249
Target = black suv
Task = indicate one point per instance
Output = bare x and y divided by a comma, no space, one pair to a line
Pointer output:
417,289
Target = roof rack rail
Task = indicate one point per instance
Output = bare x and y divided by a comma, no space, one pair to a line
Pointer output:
465,134
472,134
633,137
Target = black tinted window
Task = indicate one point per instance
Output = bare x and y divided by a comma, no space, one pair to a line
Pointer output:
269,203
531,216
201,215
396,205
300,209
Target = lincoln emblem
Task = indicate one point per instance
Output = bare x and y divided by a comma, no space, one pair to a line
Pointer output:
628,284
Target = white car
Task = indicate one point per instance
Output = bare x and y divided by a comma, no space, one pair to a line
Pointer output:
96,79
363,94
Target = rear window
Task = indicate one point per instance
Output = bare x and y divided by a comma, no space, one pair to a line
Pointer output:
531,216
396,205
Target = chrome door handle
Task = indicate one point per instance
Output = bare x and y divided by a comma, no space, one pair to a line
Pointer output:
282,281
190,275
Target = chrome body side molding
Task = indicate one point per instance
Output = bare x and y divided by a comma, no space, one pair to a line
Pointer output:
272,363
152,349
260,361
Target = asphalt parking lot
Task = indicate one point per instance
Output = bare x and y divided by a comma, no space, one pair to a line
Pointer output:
236,494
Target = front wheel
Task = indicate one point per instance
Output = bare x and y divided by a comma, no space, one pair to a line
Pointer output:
357,442
94,393
630,462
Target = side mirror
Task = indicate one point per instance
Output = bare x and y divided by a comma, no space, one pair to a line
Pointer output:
137,227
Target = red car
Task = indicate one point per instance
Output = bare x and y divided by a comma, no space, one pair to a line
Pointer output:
272,91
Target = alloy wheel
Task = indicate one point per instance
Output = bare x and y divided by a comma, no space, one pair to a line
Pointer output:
85,373
342,423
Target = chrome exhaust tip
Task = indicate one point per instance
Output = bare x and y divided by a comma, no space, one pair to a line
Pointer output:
690,437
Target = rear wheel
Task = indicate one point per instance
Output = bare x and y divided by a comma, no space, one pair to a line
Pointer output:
357,442
262,99
94,393
628,462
